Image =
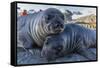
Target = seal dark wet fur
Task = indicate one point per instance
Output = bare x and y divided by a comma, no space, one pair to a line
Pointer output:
34,28
74,39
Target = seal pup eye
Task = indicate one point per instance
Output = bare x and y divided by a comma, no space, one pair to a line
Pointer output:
49,17
47,41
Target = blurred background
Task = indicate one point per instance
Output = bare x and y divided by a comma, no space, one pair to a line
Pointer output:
84,16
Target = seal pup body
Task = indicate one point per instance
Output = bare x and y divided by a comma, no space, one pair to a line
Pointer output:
34,28
74,38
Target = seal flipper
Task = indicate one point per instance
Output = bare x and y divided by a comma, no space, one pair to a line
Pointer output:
87,53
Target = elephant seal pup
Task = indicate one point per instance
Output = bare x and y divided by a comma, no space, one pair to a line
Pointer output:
32,29
74,38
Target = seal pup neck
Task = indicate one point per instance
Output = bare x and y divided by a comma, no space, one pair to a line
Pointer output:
38,31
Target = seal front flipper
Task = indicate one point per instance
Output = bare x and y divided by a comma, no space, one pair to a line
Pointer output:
87,53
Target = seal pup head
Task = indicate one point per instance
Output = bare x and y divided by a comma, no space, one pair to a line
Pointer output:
45,23
52,47
54,20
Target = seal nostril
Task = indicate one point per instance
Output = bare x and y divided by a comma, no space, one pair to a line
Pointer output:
59,25
56,25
